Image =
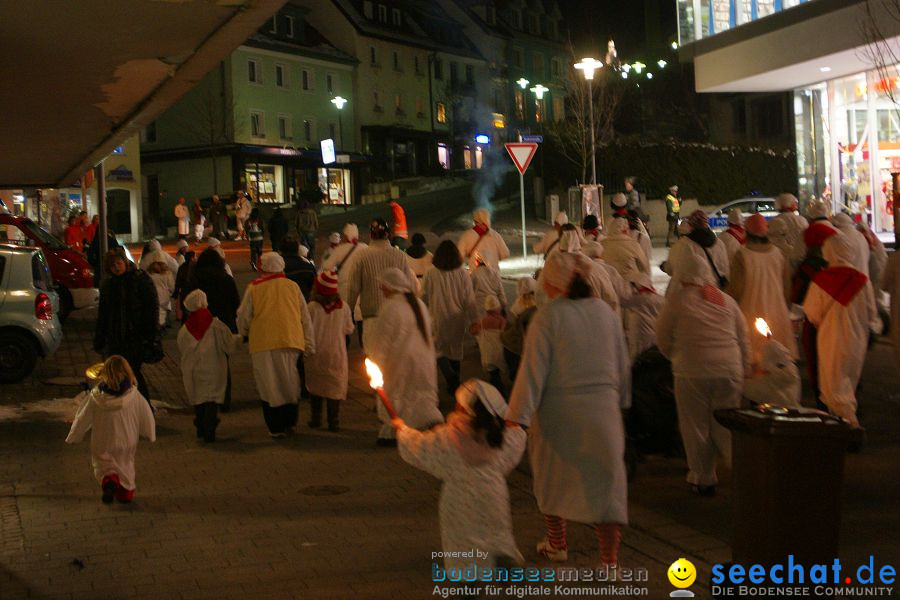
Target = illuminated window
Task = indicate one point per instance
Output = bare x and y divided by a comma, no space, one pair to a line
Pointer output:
520,105
441,113
538,111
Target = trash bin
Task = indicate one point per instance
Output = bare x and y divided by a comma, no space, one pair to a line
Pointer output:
788,469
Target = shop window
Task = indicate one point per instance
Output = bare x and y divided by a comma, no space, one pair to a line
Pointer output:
254,75
284,127
264,183
289,26
257,123
520,104
443,153
336,184
307,80
441,110
281,76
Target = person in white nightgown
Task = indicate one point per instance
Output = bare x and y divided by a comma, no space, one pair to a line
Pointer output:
472,454
118,416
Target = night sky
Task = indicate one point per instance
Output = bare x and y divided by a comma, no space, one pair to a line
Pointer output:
639,27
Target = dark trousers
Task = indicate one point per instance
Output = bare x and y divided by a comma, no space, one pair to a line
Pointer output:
280,418
226,404
308,239
512,363
451,370
135,363
256,247
673,228
301,369
206,418
332,406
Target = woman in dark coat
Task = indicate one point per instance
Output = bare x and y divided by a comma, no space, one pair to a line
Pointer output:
222,295
128,317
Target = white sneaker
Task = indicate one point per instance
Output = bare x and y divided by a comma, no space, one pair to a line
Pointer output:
554,554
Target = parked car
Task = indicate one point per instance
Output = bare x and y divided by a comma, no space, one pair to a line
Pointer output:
29,307
71,271
718,217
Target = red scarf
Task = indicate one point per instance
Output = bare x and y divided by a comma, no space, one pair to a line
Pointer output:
710,293
198,322
481,229
592,233
332,306
738,233
266,278
841,283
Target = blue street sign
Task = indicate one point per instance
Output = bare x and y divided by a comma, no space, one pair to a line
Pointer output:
533,139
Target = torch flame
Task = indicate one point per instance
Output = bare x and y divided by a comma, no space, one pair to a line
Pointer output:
762,327
376,379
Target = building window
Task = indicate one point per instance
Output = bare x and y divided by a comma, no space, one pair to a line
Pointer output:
273,25
382,13
284,127
420,107
398,104
470,75
257,123
307,130
289,29
441,111
418,65
552,30
491,16
281,76
520,105
495,95
396,60
534,26
438,69
559,111
454,76
329,83
516,18
555,68
395,17
376,97
518,58
307,80
254,75
369,9
148,135
538,60
373,56
331,131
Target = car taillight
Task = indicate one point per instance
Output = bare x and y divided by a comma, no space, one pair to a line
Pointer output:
43,308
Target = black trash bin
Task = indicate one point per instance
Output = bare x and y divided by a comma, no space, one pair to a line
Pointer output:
788,471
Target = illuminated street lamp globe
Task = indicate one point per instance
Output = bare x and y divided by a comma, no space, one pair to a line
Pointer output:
523,83
339,102
588,66
539,91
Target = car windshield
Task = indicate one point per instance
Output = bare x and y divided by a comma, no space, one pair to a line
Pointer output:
37,232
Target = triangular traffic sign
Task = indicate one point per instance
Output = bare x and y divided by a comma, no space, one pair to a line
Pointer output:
521,154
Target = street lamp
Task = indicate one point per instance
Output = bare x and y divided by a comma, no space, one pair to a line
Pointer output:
588,66
339,102
662,64
539,91
523,83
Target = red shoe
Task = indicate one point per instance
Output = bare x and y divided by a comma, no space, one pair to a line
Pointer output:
109,485
124,496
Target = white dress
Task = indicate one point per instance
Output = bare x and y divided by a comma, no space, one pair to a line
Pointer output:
786,233
326,370
204,362
474,507
275,371
451,299
640,313
841,340
407,362
184,221
486,282
572,385
419,267
763,296
548,244
117,422
625,254
492,248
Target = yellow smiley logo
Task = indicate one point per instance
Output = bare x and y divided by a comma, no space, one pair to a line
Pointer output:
682,573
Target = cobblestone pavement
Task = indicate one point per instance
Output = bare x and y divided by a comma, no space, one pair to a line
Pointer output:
323,515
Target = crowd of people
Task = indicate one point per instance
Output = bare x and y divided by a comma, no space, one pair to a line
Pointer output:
557,361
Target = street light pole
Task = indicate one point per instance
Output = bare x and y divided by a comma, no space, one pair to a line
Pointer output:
339,102
539,90
588,66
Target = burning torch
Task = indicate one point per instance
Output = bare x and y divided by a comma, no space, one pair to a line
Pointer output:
763,328
376,382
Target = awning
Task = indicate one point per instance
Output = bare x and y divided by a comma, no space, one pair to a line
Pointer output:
81,77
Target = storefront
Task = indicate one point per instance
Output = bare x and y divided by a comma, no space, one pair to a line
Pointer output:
848,144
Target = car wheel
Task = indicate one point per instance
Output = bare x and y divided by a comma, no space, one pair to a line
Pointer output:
18,355
66,303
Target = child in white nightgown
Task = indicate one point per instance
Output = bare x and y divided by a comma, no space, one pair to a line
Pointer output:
472,454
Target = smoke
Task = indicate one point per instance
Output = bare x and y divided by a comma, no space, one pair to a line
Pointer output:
496,162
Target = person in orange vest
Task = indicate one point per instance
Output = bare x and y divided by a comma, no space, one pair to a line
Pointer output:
399,232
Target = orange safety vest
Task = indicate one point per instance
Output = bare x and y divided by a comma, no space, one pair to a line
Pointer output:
399,221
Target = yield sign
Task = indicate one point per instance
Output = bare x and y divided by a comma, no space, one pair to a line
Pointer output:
521,154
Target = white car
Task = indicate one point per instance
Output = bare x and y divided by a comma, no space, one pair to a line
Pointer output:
718,217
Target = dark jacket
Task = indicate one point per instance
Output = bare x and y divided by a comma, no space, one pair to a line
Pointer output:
127,319
221,291
302,272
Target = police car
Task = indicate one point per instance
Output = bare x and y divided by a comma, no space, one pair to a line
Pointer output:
718,217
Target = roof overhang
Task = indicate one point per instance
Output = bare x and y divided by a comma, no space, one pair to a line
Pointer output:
82,77
799,47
